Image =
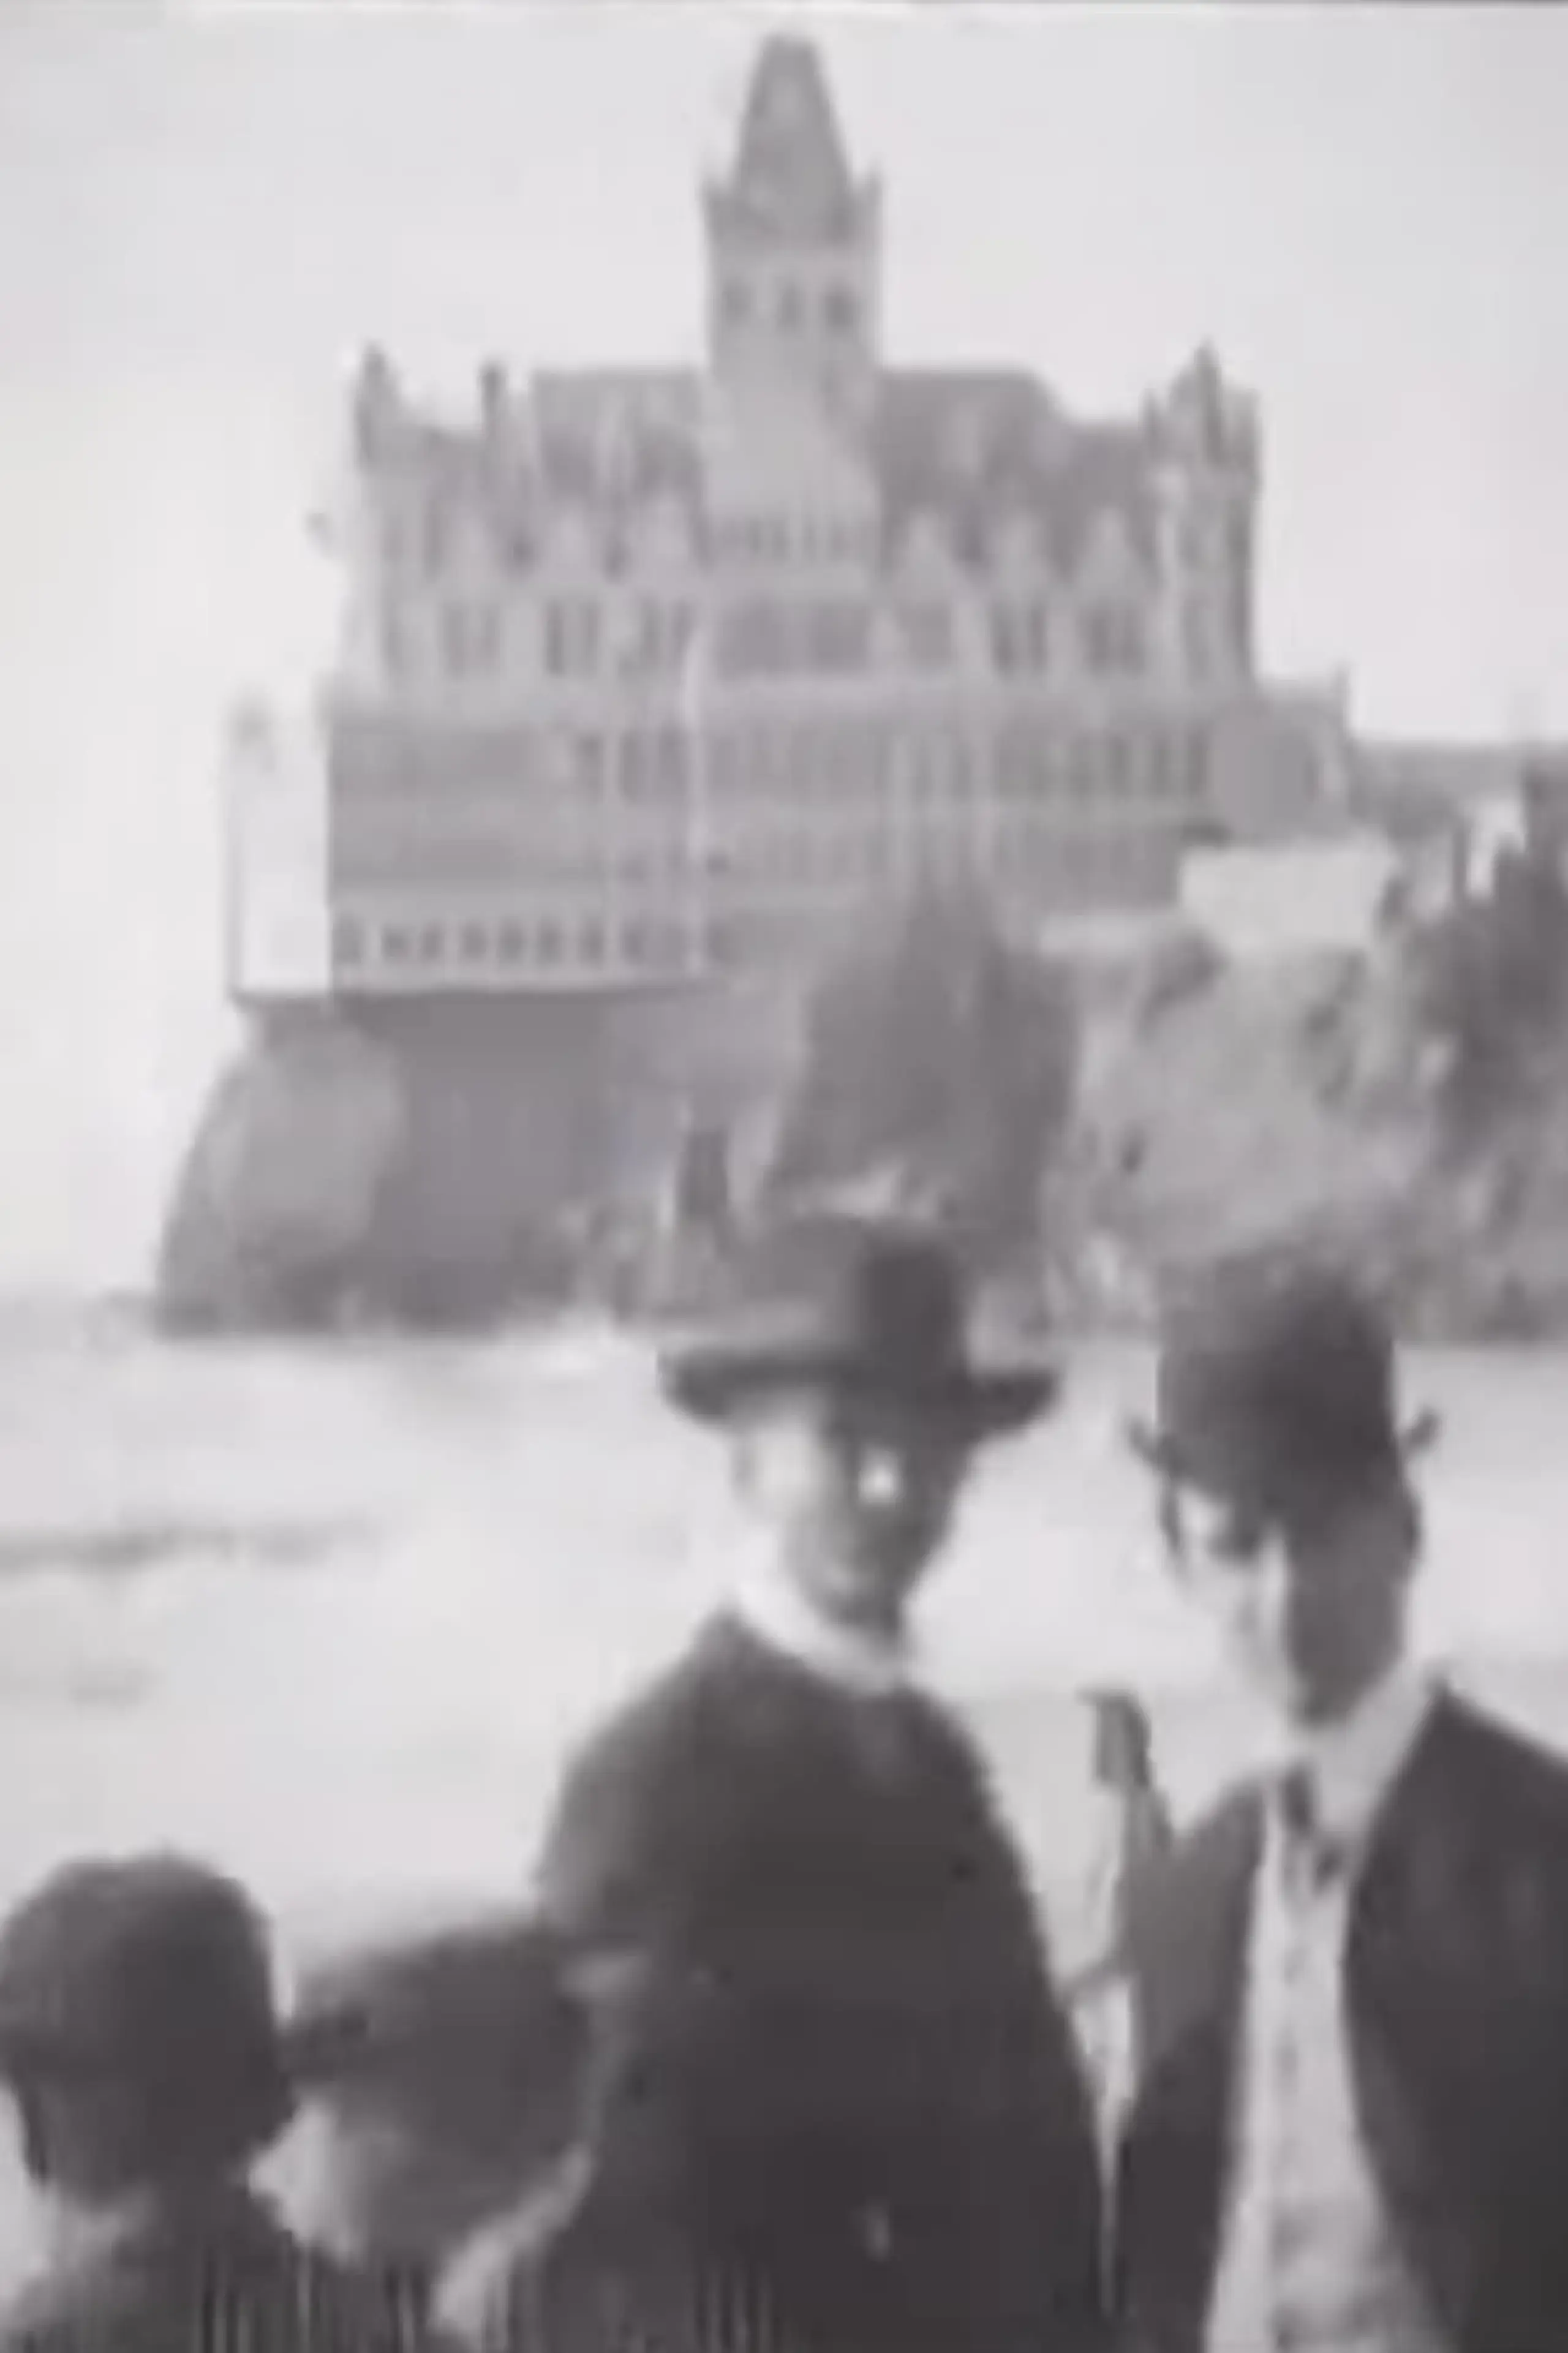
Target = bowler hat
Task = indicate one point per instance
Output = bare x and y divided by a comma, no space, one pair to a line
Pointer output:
877,1311
153,1974
1276,1387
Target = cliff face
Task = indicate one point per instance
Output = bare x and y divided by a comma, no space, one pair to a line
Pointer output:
456,1161
1313,1102
1271,1104
460,1161
281,1183
936,1064
437,1163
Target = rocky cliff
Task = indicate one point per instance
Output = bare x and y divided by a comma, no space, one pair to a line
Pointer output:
1407,1108
442,1162
456,1161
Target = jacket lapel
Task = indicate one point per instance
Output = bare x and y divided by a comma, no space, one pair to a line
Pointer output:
1419,1968
1188,1962
1192,1939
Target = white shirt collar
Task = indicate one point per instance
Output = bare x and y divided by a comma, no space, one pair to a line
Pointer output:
1354,1763
770,1607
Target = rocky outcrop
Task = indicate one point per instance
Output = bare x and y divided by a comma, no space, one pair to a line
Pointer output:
1364,1105
446,1162
280,1186
935,1071
455,1162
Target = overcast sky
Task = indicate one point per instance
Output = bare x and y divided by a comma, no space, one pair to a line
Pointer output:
204,212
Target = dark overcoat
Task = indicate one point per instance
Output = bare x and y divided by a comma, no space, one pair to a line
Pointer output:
1457,2007
228,2279
854,2094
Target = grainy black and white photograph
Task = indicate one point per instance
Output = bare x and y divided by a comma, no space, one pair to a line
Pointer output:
784,1244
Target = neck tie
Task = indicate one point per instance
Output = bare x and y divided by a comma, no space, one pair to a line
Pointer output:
1313,1855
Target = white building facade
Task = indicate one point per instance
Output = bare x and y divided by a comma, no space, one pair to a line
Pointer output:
649,677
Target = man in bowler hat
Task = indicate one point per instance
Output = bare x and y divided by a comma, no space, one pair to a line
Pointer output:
852,2094
140,2046
1352,2126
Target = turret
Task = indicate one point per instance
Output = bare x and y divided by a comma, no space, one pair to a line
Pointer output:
794,242
377,407
1204,442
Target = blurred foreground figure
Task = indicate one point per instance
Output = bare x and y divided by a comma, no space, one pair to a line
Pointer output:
139,2041
857,2113
1351,2127
443,2103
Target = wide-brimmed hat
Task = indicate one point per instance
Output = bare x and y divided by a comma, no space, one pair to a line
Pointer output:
1276,1387
879,1311
151,1974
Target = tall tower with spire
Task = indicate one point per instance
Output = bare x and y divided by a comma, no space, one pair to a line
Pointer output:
794,242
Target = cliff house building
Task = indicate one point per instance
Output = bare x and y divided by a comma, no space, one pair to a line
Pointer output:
650,678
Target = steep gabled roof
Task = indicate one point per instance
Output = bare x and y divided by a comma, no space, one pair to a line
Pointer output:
972,446
618,437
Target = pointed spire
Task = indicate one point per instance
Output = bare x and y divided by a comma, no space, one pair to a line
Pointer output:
792,176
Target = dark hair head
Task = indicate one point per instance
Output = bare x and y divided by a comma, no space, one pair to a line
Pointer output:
137,2023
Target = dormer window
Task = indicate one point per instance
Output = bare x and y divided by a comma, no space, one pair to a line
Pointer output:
1113,639
838,310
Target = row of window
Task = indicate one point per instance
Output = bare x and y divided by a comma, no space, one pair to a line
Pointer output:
830,864
788,309
847,853
420,545
414,547
661,942
547,942
424,953
833,766
770,539
764,639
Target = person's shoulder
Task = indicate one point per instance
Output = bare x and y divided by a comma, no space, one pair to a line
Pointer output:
1500,1768
664,1723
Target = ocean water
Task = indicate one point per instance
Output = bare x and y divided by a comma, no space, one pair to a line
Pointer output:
334,1616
